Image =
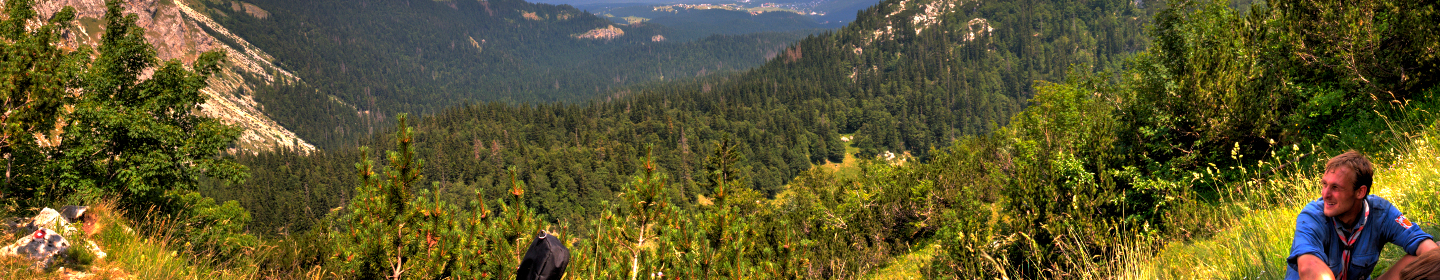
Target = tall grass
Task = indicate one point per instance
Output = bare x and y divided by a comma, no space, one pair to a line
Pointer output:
1253,231
908,266
148,253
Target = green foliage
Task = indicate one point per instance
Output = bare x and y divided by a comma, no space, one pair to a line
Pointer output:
815,229
1097,165
1382,50
35,73
820,227
629,240
289,255
392,229
903,93
1049,165
291,194
374,228
754,207
1092,166
723,168
214,229
131,138
1288,71
128,127
114,123
363,62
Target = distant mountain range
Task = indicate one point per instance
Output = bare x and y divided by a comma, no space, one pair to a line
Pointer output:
829,13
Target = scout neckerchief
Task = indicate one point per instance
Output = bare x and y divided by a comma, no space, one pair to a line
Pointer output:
1348,243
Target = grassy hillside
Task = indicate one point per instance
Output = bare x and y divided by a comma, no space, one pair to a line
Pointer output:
1218,129
1252,236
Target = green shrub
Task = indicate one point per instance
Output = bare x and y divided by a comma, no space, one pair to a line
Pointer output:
214,229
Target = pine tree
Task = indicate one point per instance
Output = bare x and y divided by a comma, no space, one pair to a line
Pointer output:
374,240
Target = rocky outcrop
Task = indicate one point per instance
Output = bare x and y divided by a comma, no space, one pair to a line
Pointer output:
530,15
42,247
978,26
607,33
174,28
45,242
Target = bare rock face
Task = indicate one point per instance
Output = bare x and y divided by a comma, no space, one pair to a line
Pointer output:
605,33
174,29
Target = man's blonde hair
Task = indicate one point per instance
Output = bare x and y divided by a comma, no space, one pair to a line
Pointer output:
1358,165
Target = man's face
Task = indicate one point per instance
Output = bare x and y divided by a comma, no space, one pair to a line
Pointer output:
1337,188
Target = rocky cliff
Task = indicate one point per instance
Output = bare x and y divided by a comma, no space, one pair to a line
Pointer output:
176,31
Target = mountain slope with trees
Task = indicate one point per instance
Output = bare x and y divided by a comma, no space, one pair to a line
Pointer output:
1225,114
363,62
898,90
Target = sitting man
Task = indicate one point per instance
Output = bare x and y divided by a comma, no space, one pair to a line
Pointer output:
1339,236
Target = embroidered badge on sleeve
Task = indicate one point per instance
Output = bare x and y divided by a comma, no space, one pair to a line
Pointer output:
1404,222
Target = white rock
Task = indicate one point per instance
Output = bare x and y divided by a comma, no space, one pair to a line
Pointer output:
51,219
99,254
48,218
42,247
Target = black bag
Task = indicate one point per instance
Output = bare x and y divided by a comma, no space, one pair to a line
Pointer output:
545,260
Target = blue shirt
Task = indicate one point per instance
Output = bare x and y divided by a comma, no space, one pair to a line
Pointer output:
1315,234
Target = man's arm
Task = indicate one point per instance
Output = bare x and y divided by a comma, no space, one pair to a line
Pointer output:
1394,272
1426,246
1307,252
1311,267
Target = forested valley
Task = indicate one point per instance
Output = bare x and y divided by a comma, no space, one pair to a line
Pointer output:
381,58
937,139
886,88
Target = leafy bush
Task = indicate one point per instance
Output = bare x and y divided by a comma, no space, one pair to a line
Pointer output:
214,229
122,136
